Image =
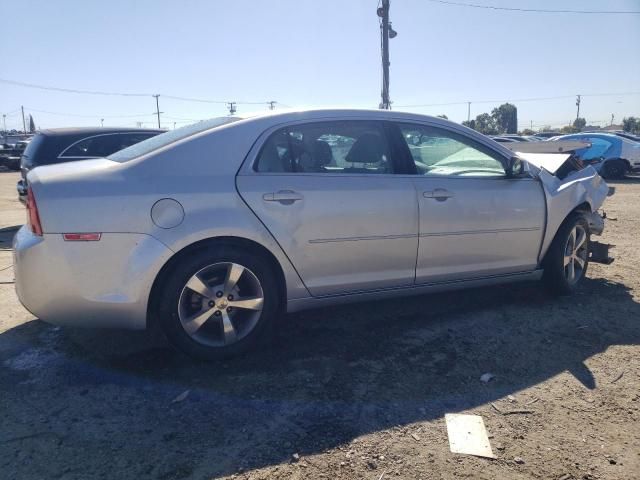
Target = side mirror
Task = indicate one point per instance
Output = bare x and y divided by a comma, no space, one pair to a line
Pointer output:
516,167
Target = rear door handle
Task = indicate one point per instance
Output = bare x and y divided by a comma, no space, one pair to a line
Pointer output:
440,194
285,197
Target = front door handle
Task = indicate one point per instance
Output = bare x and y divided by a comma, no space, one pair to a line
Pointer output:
285,197
440,194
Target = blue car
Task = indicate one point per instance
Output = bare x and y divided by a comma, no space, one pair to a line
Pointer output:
611,155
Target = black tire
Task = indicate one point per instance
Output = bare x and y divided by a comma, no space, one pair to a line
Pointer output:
170,295
615,169
555,272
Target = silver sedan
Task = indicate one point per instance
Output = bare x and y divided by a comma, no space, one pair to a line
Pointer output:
214,229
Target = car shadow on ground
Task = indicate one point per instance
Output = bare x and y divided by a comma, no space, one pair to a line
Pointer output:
327,377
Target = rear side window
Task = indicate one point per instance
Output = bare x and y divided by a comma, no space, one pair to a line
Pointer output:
95,146
327,147
104,145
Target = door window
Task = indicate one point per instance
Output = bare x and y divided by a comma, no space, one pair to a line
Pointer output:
327,147
438,152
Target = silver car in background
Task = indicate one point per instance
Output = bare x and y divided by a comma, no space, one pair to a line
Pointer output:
214,229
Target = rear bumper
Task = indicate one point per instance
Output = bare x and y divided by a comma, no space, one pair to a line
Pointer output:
87,284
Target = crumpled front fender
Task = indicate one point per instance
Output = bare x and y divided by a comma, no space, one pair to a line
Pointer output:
563,196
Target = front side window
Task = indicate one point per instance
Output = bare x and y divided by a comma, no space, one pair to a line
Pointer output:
327,147
439,152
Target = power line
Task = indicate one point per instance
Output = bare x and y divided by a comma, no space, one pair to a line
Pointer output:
71,90
532,10
89,116
122,94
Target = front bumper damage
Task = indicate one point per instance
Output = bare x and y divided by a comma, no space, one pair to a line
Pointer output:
598,252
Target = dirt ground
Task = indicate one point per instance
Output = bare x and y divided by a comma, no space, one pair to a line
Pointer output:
355,392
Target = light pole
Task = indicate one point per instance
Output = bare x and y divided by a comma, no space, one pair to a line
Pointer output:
387,32
158,112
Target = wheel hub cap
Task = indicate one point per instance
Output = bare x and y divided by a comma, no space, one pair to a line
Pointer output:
575,255
220,304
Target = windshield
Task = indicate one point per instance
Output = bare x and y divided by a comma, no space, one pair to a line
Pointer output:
154,143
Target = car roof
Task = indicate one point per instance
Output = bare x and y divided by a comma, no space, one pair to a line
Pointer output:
54,132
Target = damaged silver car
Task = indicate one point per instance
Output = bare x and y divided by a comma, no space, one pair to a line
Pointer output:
214,229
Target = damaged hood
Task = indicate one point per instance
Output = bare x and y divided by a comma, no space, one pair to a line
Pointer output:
551,162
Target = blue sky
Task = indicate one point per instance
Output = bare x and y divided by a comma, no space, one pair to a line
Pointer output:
315,53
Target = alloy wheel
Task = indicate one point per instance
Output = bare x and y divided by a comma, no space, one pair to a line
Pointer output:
220,304
575,255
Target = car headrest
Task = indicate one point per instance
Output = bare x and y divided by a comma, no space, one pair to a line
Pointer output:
321,153
368,148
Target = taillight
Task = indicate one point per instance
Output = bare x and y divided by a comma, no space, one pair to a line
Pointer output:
33,217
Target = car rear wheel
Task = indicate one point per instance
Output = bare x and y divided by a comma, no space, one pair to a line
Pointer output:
615,169
218,302
567,260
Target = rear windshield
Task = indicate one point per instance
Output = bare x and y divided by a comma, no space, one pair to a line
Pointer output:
155,143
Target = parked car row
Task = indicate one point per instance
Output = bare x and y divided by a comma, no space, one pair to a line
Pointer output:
613,154
10,154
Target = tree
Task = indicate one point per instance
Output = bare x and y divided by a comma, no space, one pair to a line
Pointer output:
443,116
579,123
486,124
469,123
569,129
32,125
631,124
505,118
527,131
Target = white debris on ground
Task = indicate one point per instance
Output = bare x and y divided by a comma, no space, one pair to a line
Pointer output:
468,435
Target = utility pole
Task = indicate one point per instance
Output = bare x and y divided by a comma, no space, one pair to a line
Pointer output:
531,124
272,104
24,124
468,111
102,122
612,118
387,32
158,112
4,122
578,105
232,107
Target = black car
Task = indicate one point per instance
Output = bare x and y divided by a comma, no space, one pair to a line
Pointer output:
10,154
61,145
